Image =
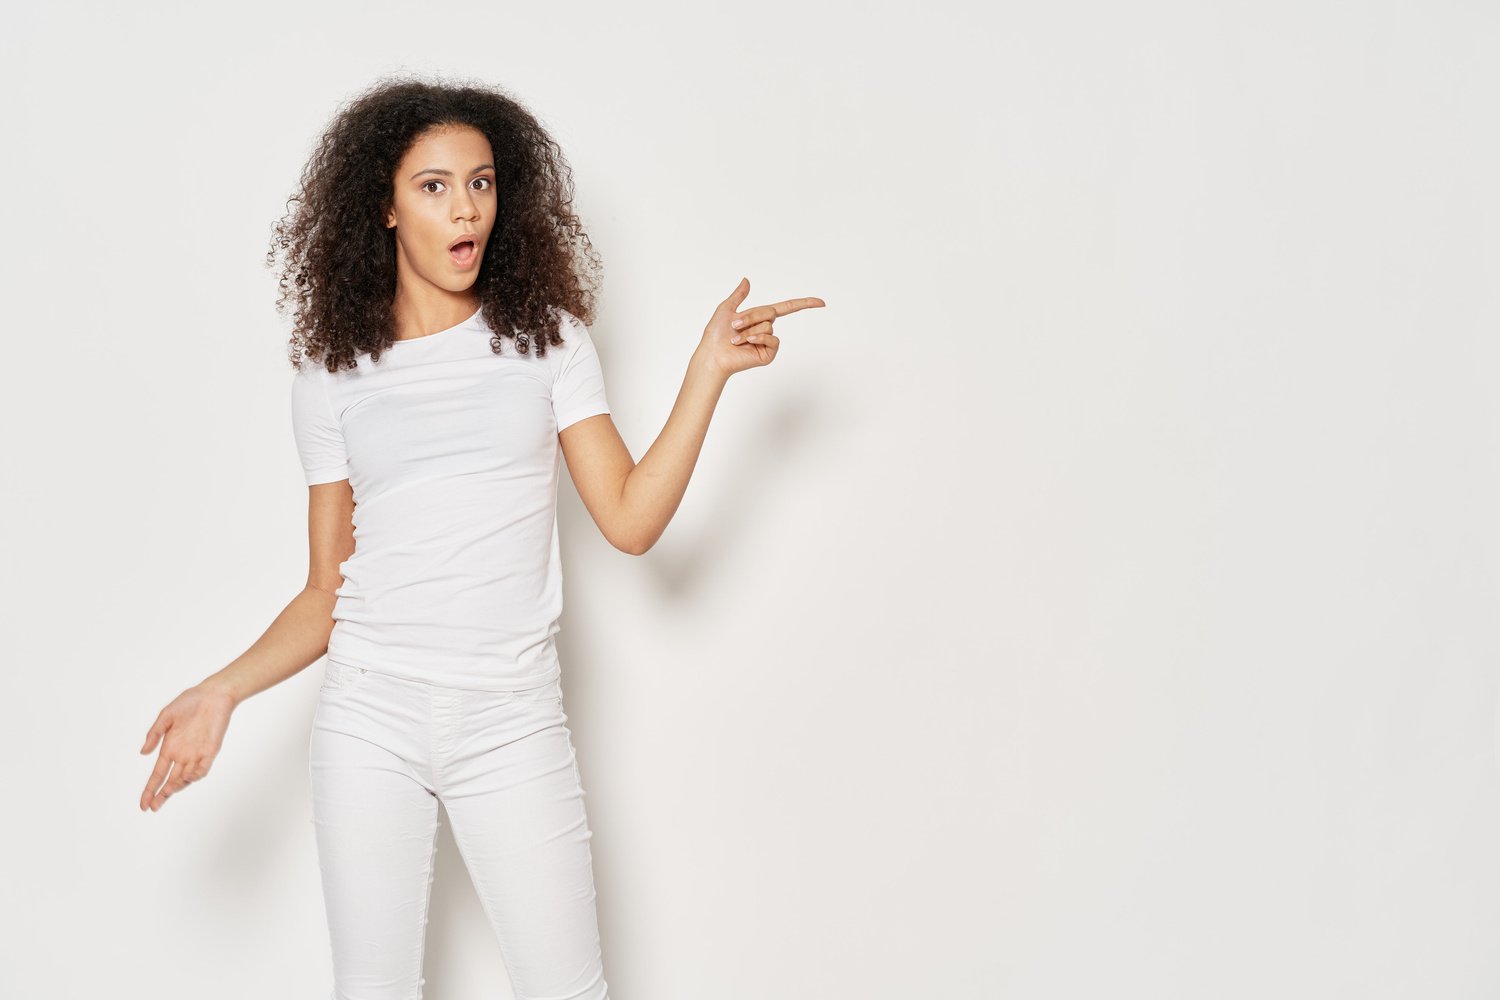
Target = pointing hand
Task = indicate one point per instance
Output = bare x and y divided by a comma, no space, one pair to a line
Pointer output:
736,339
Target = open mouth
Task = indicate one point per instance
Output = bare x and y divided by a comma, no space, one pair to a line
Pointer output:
464,253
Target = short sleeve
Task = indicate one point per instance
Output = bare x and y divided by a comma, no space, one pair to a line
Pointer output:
578,383
320,441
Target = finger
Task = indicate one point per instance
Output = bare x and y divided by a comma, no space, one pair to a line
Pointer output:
737,296
744,319
181,778
166,791
750,333
774,310
174,785
158,791
785,308
760,315
155,733
797,305
158,775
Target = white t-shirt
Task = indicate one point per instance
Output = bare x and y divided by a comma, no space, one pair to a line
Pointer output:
452,454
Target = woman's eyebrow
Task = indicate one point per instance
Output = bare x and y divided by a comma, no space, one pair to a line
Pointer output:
449,173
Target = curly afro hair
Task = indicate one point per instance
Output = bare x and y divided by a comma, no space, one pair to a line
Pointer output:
340,259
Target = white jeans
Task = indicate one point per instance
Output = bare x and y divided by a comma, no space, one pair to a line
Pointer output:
383,752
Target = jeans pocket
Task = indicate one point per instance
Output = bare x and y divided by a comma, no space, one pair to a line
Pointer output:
339,677
549,693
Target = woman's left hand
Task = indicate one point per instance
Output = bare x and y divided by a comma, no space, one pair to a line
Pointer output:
735,340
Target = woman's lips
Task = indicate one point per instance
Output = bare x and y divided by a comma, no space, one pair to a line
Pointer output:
464,255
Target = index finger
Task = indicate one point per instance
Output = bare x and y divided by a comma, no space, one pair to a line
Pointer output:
795,305
778,309
154,783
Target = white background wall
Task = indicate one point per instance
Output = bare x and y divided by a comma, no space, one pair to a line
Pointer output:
1096,598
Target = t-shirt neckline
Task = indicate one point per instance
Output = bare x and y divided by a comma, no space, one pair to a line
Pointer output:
428,336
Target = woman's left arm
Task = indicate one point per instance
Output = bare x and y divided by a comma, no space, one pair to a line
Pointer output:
632,502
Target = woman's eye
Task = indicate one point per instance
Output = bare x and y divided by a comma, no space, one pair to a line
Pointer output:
424,186
488,183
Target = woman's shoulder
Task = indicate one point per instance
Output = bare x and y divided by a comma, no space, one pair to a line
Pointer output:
308,373
575,333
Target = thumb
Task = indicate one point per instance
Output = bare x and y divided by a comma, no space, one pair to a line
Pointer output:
738,295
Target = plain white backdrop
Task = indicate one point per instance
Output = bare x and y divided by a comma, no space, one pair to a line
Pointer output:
1096,598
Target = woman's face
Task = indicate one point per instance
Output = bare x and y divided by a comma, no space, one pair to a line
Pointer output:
444,191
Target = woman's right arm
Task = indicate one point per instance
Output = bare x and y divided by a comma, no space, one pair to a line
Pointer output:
191,728
299,635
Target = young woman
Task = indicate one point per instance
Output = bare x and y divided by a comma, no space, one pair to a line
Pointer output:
444,289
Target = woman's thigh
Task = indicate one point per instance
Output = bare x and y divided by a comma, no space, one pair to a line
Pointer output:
515,802
376,821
